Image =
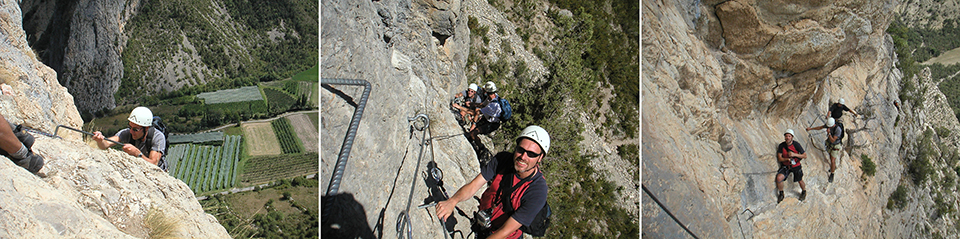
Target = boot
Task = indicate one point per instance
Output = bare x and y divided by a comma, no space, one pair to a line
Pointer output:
831,177
803,195
24,137
33,162
780,197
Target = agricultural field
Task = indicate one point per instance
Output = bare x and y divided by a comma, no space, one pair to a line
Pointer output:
199,138
278,101
312,74
242,94
306,131
311,91
285,135
264,169
206,168
314,118
260,139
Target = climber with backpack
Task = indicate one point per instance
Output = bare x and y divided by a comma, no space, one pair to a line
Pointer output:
515,200
490,113
834,142
789,155
145,138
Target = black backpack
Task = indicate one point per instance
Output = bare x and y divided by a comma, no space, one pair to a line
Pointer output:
842,132
541,222
159,126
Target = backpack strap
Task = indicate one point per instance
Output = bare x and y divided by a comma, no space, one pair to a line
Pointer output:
508,203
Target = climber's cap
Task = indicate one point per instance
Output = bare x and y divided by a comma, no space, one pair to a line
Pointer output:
831,122
473,87
789,131
842,102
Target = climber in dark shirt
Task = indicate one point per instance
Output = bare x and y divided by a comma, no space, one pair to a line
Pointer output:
837,109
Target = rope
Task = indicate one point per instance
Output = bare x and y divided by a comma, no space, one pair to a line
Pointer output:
443,223
668,211
413,185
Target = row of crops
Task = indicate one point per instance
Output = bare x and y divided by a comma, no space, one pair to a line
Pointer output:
269,168
278,101
206,168
286,136
246,93
198,138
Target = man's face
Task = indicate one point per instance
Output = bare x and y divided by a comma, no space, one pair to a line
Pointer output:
526,155
470,93
136,131
788,138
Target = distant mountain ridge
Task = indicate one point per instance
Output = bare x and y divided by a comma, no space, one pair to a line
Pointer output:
114,52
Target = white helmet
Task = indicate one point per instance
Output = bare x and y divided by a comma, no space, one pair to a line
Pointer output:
472,87
789,131
141,116
841,101
489,87
831,122
538,135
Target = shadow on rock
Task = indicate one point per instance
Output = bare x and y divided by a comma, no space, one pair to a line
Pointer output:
343,217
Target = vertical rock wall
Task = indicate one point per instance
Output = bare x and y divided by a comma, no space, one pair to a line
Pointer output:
81,191
722,81
412,53
82,40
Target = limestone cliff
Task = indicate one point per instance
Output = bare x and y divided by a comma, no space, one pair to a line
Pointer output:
81,191
82,41
722,81
412,53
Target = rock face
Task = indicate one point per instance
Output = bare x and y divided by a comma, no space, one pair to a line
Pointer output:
81,191
412,53
722,82
82,40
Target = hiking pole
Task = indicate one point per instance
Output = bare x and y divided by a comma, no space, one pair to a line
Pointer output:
55,132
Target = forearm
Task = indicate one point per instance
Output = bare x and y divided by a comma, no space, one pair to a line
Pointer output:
103,144
463,194
468,190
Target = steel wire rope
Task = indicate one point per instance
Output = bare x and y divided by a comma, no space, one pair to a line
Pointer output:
404,219
443,223
668,211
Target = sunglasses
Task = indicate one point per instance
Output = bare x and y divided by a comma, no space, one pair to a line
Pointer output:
529,153
138,129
